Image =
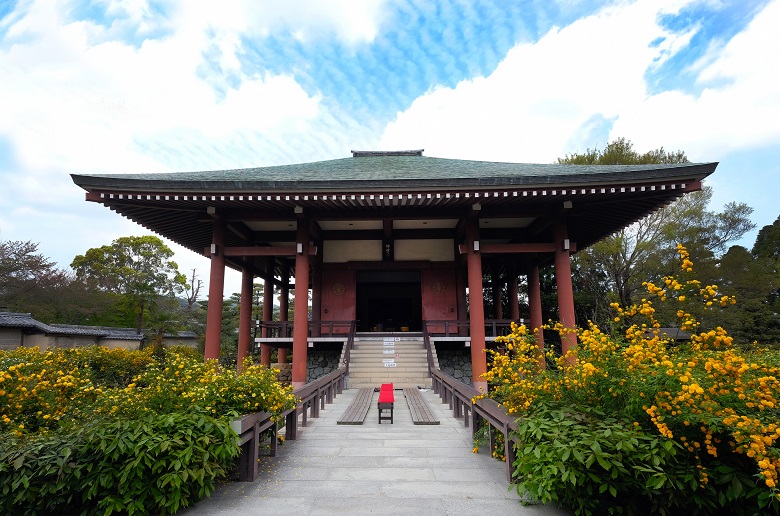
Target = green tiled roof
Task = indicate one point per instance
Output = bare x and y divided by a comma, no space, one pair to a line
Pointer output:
392,172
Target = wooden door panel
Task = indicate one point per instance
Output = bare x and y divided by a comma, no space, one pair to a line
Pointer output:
439,300
338,297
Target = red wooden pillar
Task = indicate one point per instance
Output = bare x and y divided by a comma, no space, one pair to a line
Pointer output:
301,315
495,281
563,282
514,304
476,306
245,316
535,304
284,307
316,293
461,284
268,312
216,291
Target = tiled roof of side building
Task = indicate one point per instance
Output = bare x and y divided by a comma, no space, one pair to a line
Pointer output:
20,320
387,170
97,331
25,320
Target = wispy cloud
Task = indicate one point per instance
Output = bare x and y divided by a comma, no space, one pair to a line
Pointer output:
586,81
145,86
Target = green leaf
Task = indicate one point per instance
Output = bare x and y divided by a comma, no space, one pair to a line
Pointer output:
603,462
736,487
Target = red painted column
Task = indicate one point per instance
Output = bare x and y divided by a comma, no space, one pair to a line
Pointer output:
564,284
301,314
495,281
316,291
245,316
284,307
268,313
476,308
514,304
535,304
216,292
462,301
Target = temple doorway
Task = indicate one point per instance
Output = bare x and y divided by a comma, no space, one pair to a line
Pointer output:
389,301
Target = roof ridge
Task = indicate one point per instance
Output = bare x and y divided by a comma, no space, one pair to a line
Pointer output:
361,154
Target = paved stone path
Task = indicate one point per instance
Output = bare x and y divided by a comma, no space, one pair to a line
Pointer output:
374,469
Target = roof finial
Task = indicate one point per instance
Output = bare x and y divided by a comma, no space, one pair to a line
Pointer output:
362,154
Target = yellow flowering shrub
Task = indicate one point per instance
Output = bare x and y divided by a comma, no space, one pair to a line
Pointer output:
38,390
718,403
182,381
80,425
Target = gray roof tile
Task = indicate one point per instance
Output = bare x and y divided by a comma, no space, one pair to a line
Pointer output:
387,171
22,320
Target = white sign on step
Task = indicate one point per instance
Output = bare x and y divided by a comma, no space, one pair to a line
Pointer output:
388,360
390,364
388,351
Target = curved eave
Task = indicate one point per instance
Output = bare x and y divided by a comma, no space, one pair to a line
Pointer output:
532,176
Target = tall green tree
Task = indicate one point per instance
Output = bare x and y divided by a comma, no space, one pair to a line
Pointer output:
31,282
139,270
767,242
645,250
754,280
26,274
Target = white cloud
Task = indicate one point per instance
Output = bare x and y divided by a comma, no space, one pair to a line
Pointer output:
542,94
542,98
78,96
738,110
74,99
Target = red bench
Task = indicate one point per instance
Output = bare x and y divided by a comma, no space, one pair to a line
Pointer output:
385,403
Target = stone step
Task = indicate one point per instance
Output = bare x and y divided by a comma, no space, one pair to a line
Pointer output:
396,385
379,366
406,346
380,348
366,367
413,354
357,366
380,341
397,381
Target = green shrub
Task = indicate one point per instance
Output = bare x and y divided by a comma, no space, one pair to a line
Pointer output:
154,464
592,463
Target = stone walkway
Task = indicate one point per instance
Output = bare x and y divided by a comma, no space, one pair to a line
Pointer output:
374,469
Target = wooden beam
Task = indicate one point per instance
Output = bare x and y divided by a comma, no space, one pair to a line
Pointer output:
539,247
259,251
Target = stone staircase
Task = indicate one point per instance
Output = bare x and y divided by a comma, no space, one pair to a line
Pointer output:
399,358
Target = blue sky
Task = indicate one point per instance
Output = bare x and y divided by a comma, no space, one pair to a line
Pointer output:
151,86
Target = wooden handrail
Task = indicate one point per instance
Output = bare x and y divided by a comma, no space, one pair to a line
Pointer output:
428,347
284,329
493,327
460,398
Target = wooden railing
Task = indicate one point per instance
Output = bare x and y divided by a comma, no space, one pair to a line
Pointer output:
460,397
348,347
451,328
461,328
284,329
311,398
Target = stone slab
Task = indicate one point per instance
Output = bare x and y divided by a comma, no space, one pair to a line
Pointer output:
374,469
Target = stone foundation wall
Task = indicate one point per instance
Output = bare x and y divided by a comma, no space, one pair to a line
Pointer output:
321,362
285,373
455,362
